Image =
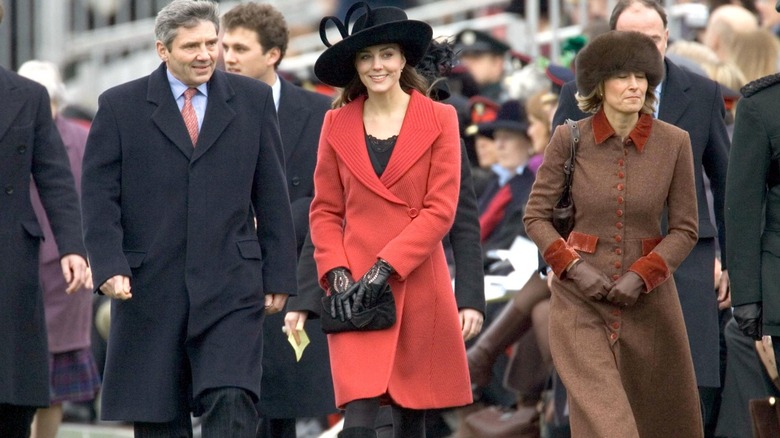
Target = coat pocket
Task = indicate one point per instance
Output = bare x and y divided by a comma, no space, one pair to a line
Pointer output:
135,258
33,229
250,249
582,242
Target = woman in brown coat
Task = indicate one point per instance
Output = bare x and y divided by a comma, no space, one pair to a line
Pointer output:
617,335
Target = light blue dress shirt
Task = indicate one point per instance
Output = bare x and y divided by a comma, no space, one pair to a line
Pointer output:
198,101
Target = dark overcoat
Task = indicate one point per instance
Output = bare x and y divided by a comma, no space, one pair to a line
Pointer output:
694,104
179,221
29,146
753,204
293,389
628,371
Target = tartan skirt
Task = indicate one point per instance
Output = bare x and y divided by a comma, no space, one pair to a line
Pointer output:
73,376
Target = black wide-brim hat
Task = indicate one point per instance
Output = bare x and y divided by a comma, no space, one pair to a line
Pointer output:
336,65
511,117
617,52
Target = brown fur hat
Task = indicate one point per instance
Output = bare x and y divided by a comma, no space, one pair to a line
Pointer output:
617,52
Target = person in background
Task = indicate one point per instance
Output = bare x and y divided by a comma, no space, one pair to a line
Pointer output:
254,43
388,156
34,151
540,109
188,225
617,335
73,373
484,56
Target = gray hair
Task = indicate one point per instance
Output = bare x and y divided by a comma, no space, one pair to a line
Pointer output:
183,13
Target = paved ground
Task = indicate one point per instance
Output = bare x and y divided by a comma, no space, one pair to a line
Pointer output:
72,430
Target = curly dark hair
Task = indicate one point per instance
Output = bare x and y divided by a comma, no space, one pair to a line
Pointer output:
437,61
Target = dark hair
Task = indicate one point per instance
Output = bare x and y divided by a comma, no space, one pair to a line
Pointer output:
410,80
622,5
265,20
437,61
183,13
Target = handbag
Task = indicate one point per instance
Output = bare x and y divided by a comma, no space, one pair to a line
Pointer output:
563,212
377,317
765,416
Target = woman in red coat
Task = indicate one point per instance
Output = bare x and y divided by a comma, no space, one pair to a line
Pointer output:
386,189
617,335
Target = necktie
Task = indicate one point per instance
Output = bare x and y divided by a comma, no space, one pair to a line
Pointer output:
188,113
494,212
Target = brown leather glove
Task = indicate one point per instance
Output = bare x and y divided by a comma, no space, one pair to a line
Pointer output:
591,282
626,290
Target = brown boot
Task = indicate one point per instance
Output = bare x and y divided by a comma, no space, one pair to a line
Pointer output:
512,322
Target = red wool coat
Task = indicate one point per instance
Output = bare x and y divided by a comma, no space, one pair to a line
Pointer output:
402,216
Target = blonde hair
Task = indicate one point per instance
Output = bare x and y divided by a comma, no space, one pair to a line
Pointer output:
693,50
593,101
756,53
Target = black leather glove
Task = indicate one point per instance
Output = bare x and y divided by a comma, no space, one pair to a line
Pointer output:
339,282
591,282
370,286
626,289
749,319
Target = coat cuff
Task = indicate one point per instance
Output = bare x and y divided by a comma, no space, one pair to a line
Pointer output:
653,270
559,255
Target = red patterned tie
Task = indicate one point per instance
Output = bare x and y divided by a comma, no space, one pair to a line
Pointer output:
190,118
494,212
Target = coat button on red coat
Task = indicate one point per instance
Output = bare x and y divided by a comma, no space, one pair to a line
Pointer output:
413,212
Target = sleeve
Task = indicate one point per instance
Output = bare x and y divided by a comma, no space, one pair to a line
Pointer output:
271,201
746,191
464,237
100,194
663,260
415,243
309,291
547,188
54,180
715,163
326,217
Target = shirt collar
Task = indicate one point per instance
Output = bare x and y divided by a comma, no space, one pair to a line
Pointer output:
276,91
505,175
178,88
602,130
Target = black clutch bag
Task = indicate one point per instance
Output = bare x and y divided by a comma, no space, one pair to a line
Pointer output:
378,317
563,212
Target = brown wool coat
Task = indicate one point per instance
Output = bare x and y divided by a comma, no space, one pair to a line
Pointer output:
628,371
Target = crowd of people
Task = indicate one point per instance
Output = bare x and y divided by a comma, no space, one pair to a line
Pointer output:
228,211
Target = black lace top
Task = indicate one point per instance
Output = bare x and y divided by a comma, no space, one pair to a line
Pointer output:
379,151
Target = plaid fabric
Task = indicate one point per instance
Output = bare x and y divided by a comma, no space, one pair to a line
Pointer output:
73,376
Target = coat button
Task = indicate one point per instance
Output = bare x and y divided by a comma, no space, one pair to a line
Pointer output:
620,186
615,325
618,238
620,199
620,162
413,212
9,190
296,181
21,149
613,336
618,265
621,174
618,251
619,225
615,277
619,213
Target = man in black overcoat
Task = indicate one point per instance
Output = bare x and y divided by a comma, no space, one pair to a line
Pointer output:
254,44
188,224
30,147
695,104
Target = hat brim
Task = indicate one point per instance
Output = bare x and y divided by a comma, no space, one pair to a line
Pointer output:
336,65
488,129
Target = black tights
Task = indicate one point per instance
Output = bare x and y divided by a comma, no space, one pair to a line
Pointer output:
407,423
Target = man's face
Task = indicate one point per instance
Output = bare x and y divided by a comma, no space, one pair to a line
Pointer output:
193,55
244,55
639,18
485,68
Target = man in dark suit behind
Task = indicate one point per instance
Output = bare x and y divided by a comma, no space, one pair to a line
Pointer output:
30,147
184,195
253,44
695,104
